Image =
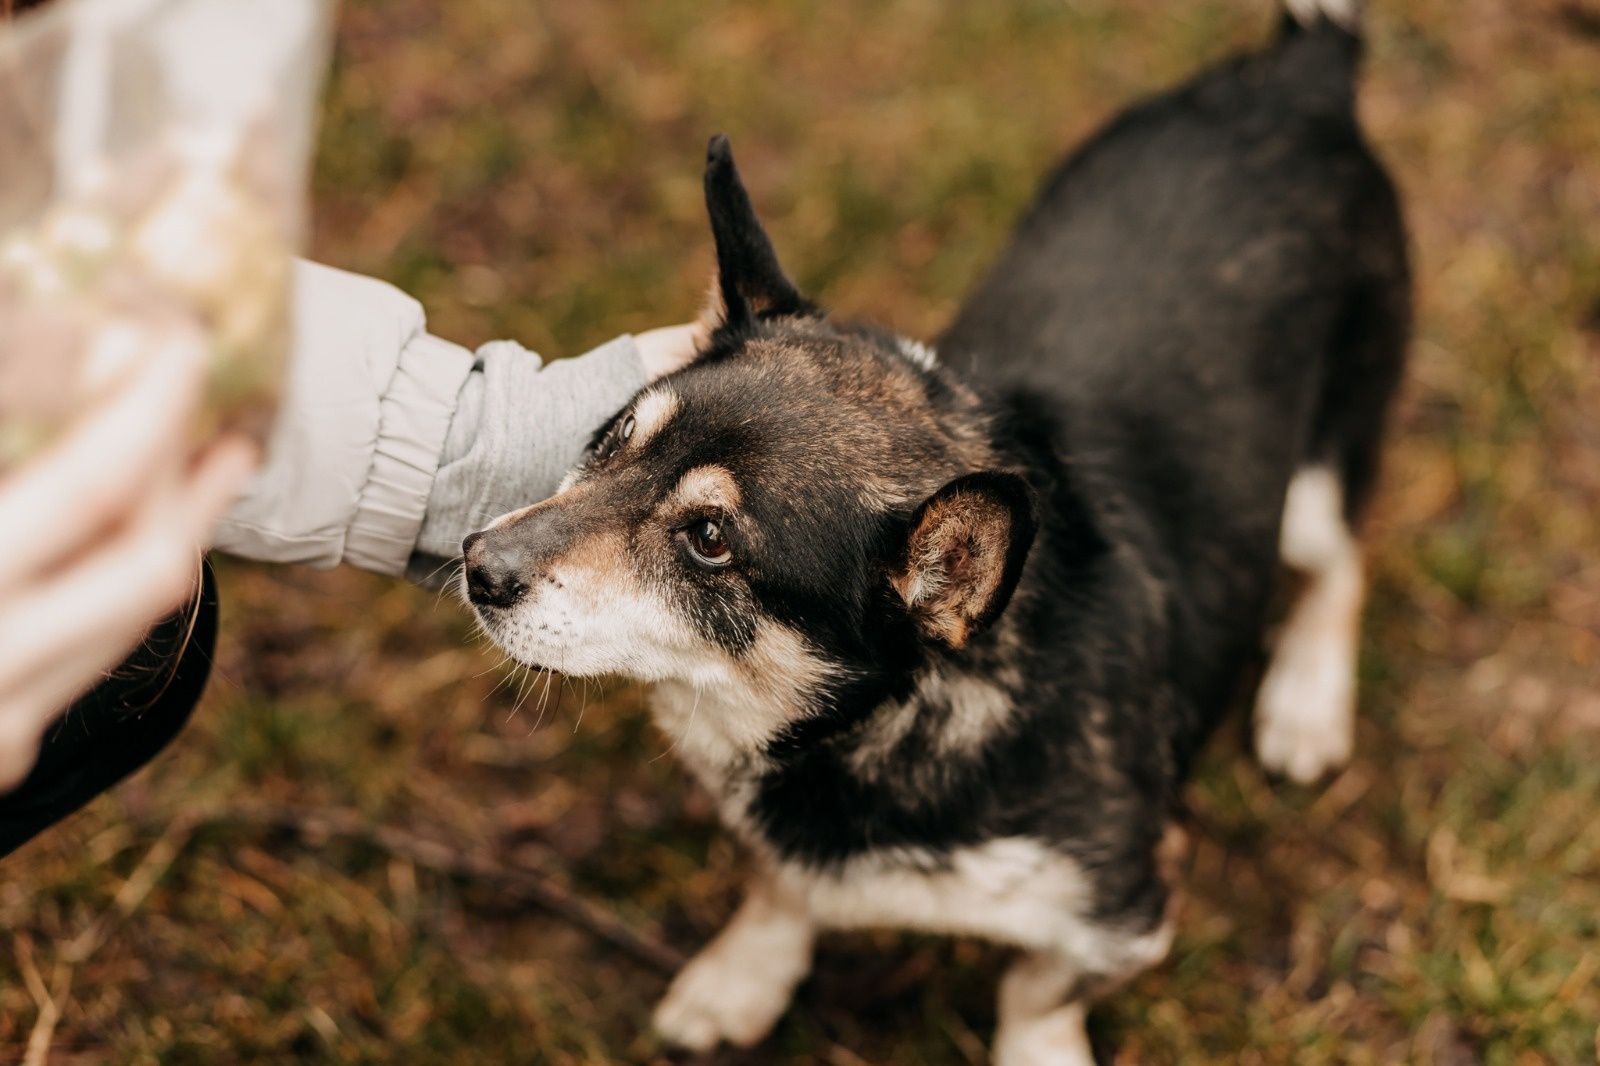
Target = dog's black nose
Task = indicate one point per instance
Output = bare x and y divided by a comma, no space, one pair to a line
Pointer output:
494,576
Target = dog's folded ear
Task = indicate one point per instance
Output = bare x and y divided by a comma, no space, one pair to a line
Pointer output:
964,554
750,283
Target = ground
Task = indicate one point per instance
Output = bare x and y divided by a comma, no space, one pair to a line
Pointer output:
532,171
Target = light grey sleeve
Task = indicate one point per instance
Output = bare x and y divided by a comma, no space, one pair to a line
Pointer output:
367,405
519,426
392,444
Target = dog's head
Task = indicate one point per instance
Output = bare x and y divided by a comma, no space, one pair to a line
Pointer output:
806,507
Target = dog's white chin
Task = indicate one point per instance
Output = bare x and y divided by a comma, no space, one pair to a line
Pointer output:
631,657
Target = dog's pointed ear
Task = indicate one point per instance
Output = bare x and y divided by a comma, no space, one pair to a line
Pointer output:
750,283
964,554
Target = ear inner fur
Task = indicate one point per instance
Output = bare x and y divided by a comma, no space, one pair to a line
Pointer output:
965,553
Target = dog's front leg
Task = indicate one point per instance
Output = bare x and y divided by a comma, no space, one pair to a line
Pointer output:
739,985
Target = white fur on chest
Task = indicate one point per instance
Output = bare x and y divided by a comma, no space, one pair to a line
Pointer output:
721,720
711,731
716,731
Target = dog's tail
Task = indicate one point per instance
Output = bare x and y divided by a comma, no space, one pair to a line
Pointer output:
1318,53
1313,14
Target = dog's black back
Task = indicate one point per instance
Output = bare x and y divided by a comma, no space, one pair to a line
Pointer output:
1208,295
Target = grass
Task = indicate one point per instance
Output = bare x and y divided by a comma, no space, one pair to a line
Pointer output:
532,171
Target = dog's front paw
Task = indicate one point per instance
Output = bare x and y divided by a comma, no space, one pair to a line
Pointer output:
715,1000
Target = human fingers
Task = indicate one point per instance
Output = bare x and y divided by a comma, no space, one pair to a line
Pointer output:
90,615
22,726
53,505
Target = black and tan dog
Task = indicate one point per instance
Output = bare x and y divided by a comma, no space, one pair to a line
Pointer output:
942,634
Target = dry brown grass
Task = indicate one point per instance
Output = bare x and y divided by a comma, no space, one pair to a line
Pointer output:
532,171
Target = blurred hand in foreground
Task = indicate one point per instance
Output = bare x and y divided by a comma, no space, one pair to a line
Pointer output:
99,538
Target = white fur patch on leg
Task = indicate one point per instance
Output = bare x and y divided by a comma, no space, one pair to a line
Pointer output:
1314,536
740,984
1305,708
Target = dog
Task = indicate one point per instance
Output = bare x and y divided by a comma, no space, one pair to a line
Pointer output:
942,628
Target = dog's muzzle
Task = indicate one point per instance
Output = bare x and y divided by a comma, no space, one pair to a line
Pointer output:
503,561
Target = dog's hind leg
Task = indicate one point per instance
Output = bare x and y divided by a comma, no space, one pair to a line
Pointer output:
1305,708
740,984
1042,1014
1046,994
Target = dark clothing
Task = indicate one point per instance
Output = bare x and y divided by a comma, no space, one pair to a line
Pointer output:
118,726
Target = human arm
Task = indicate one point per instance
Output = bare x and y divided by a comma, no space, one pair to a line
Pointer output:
393,443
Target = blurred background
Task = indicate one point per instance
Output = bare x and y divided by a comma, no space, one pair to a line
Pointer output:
373,844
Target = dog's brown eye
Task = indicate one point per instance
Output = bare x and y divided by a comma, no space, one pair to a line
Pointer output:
707,545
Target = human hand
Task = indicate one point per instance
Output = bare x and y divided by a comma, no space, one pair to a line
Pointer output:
669,348
99,538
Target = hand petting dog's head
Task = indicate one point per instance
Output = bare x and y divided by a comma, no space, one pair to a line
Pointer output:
806,509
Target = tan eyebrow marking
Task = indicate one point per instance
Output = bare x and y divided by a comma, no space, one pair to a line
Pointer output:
707,486
653,411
